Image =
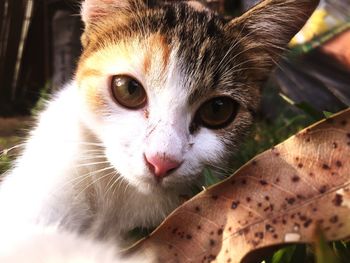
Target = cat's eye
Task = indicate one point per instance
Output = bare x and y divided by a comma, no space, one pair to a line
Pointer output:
217,112
128,92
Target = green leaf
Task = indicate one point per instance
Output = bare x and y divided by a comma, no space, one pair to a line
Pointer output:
341,250
308,109
209,178
287,99
305,107
324,253
327,114
5,163
299,254
284,255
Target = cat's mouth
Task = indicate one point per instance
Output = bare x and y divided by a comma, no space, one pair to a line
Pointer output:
148,183
158,181
175,179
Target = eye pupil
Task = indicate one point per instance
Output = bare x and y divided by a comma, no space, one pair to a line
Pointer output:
217,113
128,92
132,87
217,105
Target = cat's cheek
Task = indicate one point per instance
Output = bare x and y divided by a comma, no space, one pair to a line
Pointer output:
207,149
124,147
127,164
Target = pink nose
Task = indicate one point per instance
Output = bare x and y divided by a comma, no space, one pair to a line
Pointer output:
161,165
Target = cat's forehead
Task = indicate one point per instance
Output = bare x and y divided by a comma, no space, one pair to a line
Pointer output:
194,42
179,25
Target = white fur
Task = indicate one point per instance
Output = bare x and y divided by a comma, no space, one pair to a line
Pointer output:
51,245
56,180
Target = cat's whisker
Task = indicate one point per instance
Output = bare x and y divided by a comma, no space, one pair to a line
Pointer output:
210,166
92,183
138,19
226,171
119,182
116,185
250,68
92,152
246,39
93,157
241,53
76,181
236,42
88,143
92,173
81,178
93,144
251,60
126,187
92,163
237,68
109,183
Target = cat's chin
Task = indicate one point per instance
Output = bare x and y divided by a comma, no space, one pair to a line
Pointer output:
149,188
150,185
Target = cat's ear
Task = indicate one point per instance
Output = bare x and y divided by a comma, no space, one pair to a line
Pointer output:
94,10
198,6
268,27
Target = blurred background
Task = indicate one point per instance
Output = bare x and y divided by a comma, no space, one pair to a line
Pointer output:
40,45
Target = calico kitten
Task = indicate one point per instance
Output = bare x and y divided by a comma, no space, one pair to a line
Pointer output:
162,90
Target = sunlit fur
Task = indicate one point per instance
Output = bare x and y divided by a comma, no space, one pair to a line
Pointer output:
82,175
46,245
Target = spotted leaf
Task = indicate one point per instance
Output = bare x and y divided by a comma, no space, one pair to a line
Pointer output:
281,196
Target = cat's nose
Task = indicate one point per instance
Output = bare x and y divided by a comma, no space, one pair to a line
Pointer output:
161,165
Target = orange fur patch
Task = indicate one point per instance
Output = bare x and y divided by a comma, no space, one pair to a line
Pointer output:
158,52
87,73
88,85
136,57
165,49
147,64
95,99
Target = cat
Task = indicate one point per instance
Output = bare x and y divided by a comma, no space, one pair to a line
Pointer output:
161,91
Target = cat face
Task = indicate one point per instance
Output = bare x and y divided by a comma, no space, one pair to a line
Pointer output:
172,88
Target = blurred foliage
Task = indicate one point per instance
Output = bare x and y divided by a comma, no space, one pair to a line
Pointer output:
268,132
5,163
290,254
6,153
43,98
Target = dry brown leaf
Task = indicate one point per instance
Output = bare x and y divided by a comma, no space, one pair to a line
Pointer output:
280,196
